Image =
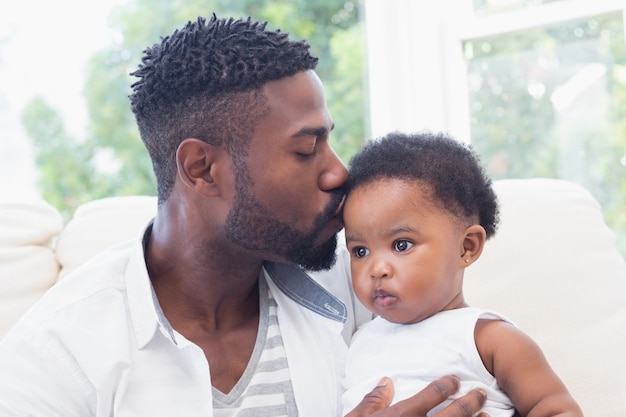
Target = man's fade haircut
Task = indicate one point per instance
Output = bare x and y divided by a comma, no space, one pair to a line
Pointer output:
451,169
204,81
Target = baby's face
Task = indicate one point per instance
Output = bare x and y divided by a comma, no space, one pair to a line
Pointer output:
405,252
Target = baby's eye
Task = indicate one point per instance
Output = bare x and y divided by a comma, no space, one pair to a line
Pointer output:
402,245
360,251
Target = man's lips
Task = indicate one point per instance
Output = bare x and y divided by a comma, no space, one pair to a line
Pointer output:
332,220
339,211
382,299
337,218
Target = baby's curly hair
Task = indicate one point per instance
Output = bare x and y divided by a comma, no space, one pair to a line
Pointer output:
451,169
204,81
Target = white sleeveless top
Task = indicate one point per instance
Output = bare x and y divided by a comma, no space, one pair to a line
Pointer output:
413,355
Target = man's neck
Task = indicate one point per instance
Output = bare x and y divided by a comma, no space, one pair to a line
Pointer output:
194,284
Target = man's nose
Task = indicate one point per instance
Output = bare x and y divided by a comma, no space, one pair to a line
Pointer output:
336,173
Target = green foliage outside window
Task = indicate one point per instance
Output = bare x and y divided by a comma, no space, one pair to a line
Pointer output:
111,160
526,123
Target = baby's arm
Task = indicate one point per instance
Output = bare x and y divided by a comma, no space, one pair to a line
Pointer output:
522,371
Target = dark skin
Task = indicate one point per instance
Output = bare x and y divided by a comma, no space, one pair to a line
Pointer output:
213,304
207,284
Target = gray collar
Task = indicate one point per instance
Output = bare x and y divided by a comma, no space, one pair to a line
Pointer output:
302,289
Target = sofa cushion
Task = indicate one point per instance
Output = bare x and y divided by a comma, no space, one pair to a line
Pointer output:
99,224
554,269
31,222
29,266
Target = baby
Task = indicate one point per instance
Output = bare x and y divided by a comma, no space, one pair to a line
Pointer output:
418,212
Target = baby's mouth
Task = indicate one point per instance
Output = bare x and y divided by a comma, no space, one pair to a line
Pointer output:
383,299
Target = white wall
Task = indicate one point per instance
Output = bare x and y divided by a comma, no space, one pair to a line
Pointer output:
408,56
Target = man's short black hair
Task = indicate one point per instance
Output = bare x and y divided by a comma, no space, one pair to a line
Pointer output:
450,168
204,81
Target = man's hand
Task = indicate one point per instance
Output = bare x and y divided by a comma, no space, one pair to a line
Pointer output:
376,403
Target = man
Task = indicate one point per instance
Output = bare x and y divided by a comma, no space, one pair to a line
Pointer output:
207,314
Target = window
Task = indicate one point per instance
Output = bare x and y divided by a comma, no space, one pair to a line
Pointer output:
539,88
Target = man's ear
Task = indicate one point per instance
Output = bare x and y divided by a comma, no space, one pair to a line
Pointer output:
197,165
473,244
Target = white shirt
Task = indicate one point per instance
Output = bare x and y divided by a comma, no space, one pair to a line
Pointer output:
98,345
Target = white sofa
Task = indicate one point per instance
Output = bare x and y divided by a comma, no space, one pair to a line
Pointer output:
553,268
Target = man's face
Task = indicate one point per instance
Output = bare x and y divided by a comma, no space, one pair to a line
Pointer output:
289,188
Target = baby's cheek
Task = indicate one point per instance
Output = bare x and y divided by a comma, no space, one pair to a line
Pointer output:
361,285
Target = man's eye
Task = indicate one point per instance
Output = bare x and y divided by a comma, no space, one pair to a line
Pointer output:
360,252
402,245
307,152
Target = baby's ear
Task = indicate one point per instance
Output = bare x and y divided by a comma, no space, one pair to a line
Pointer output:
473,244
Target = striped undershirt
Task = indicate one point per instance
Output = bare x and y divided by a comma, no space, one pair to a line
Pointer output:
264,389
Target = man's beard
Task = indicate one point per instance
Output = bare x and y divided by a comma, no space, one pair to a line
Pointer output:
251,226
